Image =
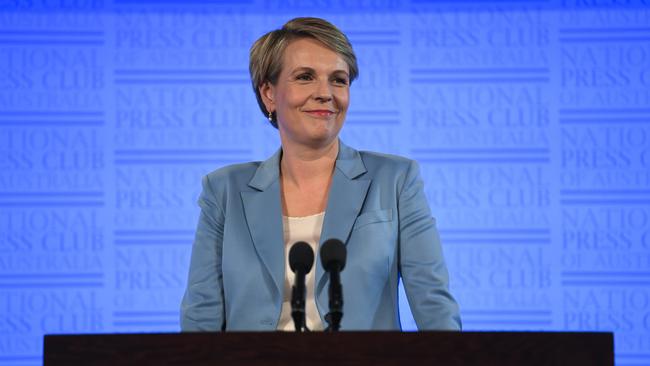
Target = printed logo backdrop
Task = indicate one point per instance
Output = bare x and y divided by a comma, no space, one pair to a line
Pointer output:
531,121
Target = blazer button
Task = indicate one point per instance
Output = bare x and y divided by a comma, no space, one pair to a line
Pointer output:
266,322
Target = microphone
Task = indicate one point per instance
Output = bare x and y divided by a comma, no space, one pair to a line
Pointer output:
332,255
301,259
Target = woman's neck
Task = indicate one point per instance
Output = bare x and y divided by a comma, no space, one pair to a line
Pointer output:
301,165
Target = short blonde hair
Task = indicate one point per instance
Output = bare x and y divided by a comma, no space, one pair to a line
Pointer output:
266,53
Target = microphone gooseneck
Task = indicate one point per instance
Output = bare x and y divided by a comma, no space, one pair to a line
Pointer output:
333,255
301,259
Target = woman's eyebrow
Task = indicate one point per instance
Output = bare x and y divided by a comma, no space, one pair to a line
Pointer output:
309,69
340,72
303,68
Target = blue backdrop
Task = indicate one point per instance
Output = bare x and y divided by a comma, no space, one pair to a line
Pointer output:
531,121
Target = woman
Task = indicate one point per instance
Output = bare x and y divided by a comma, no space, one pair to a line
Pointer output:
313,189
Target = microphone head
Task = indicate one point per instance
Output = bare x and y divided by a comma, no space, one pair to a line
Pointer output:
301,257
333,253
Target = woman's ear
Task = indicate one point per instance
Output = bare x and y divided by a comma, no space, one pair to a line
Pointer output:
267,91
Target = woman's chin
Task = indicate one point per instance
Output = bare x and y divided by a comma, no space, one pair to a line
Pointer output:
320,139
326,134
316,133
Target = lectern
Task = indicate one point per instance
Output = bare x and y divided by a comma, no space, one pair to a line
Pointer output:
343,348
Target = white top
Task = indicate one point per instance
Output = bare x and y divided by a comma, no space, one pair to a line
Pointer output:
307,229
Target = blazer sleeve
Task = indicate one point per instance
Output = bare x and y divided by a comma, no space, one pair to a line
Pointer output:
202,307
422,266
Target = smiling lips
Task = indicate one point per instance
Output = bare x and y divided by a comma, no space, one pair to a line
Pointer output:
320,113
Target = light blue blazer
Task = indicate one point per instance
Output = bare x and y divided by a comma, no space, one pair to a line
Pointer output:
376,206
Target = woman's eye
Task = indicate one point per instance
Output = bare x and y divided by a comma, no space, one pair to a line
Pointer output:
304,77
341,81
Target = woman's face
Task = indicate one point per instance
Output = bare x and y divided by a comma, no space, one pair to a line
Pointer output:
311,95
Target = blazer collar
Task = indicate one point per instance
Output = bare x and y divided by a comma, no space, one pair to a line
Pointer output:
348,162
267,173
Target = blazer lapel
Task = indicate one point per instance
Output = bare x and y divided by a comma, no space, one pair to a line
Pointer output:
346,197
263,211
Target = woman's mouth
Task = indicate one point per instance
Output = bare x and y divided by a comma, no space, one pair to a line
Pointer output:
320,113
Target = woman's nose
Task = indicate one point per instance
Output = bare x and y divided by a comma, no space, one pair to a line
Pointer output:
323,92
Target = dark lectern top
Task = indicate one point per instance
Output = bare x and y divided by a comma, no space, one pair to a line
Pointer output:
344,348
